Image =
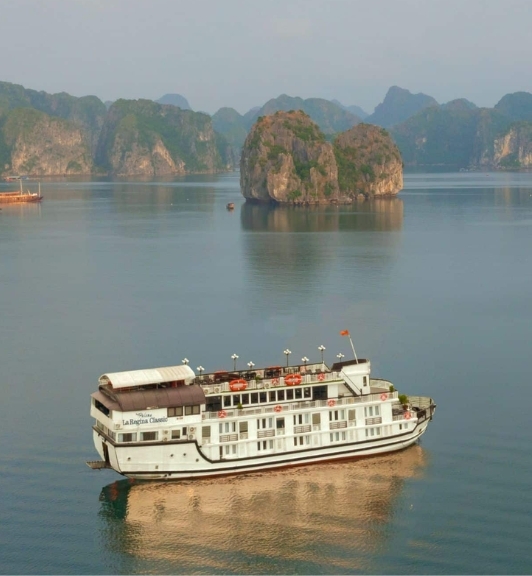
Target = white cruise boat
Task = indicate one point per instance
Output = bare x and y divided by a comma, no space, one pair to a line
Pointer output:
168,423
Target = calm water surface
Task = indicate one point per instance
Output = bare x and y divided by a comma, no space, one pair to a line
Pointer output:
435,288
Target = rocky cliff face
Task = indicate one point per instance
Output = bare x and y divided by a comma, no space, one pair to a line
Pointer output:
514,149
141,137
38,144
287,159
369,163
88,112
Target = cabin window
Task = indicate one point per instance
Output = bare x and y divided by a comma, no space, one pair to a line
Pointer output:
177,411
290,394
280,395
264,423
127,437
365,380
373,432
301,440
176,434
307,392
254,397
148,436
262,397
206,432
243,427
298,393
368,411
301,419
319,393
316,419
338,436
280,423
227,401
272,396
101,407
265,445
236,399
245,398
227,427
214,403
191,410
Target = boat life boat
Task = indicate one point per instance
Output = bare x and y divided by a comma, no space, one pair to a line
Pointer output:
169,423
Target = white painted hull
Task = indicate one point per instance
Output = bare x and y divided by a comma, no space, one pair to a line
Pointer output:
185,460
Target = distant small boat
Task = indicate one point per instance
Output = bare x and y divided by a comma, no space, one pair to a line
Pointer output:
230,206
20,196
14,178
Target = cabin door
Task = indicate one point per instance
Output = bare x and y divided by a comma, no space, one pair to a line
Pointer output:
106,453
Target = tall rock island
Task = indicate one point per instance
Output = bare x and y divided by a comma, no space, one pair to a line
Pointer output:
287,159
369,163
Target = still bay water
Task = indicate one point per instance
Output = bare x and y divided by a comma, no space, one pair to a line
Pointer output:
435,287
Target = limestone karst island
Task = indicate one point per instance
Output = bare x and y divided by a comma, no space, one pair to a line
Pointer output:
287,159
290,150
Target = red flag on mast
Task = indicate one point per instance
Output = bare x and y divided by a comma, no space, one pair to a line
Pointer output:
344,332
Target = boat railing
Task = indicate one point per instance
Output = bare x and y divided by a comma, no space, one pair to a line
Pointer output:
421,402
375,420
268,383
294,406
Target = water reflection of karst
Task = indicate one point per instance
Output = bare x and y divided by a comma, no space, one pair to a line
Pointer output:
293,252
384,214
317,515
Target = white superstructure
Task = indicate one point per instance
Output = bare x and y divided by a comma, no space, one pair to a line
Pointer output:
168,423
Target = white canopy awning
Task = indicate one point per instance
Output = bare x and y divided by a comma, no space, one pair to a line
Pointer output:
149,376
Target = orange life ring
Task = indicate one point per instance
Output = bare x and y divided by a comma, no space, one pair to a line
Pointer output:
222,414
278,408
384,396
292,379
321,377
238,385
275,381
408,415
331,402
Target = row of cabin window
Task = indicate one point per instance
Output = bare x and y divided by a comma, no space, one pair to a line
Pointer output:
187,411
271,396
279,423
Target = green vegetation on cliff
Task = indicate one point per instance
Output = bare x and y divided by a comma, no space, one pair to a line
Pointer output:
453,136
399,105
232,125
88,112
286,158
330,117
139,127
33,142
368,162
516,106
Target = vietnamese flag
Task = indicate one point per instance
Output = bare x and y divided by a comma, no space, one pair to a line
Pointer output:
344,332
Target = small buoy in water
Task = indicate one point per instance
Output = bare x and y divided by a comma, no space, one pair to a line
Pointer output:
230,206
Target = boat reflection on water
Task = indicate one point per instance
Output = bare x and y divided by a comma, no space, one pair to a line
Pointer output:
299,519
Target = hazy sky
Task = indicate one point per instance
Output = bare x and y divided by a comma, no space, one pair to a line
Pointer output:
240,53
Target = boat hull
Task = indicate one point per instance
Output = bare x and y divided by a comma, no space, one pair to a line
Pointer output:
185,460
16,198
